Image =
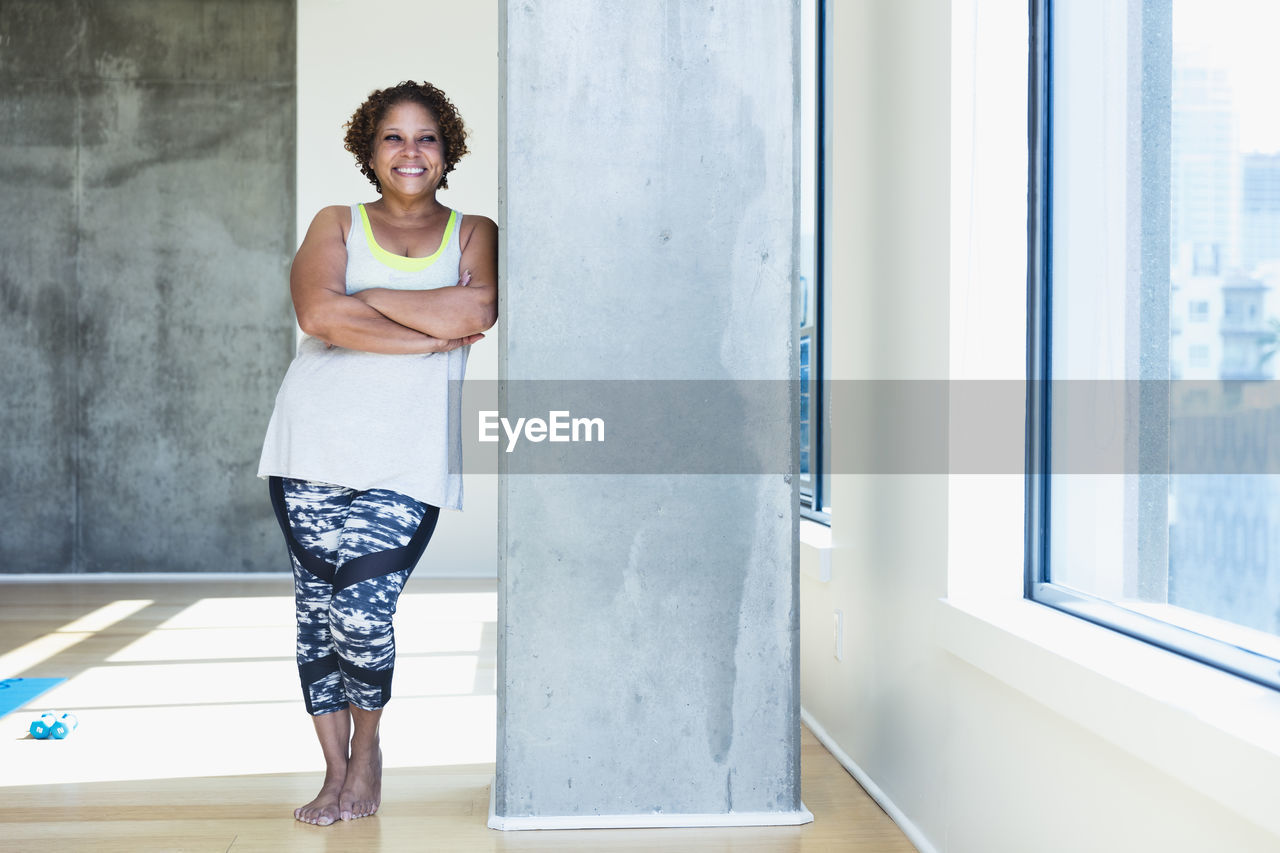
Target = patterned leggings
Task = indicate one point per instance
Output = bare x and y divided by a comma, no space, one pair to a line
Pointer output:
352,553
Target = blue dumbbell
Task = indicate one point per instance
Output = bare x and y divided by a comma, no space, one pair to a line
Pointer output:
63,726
40,728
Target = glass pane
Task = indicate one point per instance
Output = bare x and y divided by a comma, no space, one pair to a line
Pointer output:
1166,145
808,157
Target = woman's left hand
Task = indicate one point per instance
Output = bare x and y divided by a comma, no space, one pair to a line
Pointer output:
454,343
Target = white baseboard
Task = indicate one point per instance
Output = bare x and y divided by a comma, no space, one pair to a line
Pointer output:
909,829
655,820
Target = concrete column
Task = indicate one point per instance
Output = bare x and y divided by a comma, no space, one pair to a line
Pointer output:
648,634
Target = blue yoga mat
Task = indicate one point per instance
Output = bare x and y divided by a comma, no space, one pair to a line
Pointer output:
16,692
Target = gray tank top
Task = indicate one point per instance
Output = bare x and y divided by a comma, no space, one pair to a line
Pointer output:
368,420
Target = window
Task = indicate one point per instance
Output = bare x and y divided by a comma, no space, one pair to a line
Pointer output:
1153,494
815,456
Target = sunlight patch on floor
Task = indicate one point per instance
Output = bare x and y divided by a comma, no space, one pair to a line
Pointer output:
41,649
107,615
118,744
213,690
242,612
194,644
431,607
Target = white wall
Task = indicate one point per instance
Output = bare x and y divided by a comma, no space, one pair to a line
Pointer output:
348,48
887,279
982,736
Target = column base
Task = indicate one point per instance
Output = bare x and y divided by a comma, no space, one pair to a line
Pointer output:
654,820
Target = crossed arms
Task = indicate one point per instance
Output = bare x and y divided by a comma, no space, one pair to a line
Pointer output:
393,321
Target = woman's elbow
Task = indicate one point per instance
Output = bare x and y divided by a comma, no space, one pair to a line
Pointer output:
481,310
316,322
485,317
309,323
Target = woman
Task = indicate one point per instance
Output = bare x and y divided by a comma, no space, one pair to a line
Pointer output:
364,444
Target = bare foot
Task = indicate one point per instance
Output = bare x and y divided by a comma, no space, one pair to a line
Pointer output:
362,791
324,809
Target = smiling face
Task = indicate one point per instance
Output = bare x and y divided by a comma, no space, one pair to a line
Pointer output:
408,150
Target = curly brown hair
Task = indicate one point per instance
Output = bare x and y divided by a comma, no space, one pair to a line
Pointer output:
364,125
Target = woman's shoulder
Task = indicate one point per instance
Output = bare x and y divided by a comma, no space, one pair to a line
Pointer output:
473,223
329,223
471,220
334,214
333,217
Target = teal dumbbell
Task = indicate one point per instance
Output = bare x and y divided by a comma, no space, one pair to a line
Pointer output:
40,728
63,726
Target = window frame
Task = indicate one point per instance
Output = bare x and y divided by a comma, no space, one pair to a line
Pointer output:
814,496
1038,585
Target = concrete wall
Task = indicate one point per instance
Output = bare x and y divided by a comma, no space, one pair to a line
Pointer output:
146,154
460,55
648,624
929,117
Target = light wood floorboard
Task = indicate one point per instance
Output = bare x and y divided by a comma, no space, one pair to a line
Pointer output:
193,735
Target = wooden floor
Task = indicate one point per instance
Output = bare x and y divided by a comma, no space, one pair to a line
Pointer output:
193,735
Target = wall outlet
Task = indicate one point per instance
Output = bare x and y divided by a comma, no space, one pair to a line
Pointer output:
839,634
